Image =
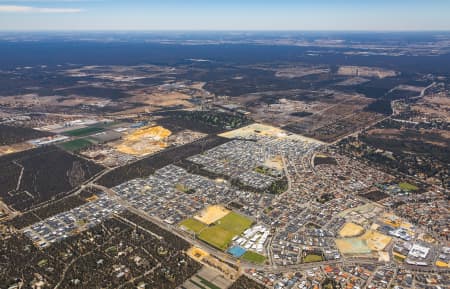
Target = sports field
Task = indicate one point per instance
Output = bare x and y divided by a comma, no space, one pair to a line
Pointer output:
76,145
216,237
193,225
84,131
311,258
408,187
234,223
223,231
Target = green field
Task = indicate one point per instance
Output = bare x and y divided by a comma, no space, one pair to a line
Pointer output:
84,131
407,187
193,225
217,237
253,257
312,258
75,145
222,232
234,223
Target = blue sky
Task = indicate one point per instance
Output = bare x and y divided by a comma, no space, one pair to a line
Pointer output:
380,15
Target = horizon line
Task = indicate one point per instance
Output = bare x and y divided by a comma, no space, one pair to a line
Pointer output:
219,30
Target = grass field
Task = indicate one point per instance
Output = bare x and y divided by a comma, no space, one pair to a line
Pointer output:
222,232
253,257
193,225
234,223
217,237
75,145
312,258
84,131
408,187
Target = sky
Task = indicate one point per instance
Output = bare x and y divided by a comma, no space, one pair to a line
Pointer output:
207,15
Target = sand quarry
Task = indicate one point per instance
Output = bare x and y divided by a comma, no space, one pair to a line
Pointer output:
144,141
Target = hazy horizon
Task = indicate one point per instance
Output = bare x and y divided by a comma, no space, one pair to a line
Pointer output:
231,15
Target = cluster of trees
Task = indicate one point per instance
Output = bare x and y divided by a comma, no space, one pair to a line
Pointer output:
244,282
108,255
205,121
48,173
15,134
47,211
424,162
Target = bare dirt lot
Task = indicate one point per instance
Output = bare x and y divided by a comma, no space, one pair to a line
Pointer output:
365,71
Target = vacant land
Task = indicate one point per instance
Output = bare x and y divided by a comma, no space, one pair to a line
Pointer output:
351,230
253,257
144,141
211,214
364,71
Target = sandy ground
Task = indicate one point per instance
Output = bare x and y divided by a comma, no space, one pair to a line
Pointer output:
275,163
161,99
4,150
35,100
365,71
211,214
375,240
262,130
351,230
352,246
144,141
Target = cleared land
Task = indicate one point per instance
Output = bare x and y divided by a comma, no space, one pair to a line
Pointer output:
352,246
144,141
351,230
375,240
211,214
365,71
